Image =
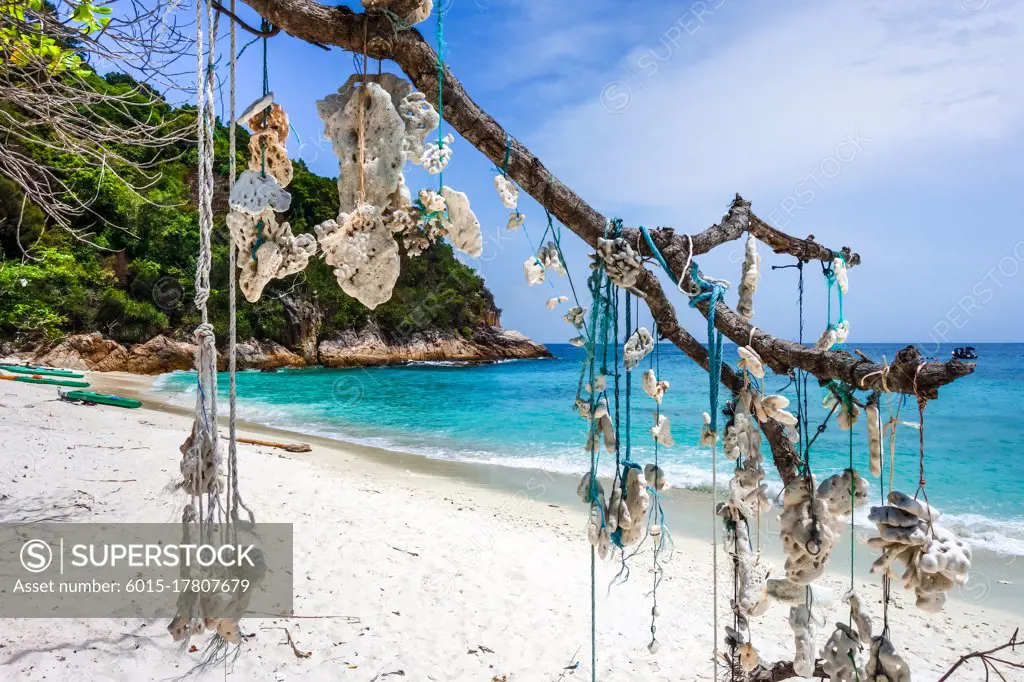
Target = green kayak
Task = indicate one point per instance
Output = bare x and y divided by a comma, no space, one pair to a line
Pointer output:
42,371
52,381
103,399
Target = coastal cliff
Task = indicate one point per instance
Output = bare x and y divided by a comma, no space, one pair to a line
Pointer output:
365,348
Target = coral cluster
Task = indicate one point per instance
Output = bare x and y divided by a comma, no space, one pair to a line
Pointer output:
620,261
935,559
264,248
377,124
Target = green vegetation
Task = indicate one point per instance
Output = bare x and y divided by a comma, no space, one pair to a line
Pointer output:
125,267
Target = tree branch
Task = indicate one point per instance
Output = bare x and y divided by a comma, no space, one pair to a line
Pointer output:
340,26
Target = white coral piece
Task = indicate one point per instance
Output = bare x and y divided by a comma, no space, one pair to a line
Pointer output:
515,220
803,634
638,345
748,284
936,560
708,437
554,301
436,155
654,388
662,431
534,271
507,190
806,528
750,361
431,201
840,270
364,254
420,118
575,316
620,261
253,193
280,254
462,226
550,259
842,659
383,135
874,420
885,664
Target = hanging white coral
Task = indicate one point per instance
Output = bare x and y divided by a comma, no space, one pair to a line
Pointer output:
555,300
936,560
254,193
507,190
748,283
840,270
549,258
750,361
638,345
575,316
364,254
420,118
436,155
620,261
515,220
461,224
534,270
654,388
662,431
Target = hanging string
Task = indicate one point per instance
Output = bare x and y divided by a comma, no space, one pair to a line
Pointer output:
442,51
232,474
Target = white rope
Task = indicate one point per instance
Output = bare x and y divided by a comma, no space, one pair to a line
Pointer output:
234,497
203,455
232,295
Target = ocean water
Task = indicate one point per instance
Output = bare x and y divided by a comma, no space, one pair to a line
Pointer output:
519,413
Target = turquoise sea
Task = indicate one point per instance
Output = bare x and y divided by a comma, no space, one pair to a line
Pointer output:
519,413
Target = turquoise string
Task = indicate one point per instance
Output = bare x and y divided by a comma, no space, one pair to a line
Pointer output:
442,50
712,294
657,254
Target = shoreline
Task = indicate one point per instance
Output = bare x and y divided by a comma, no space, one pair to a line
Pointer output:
995,575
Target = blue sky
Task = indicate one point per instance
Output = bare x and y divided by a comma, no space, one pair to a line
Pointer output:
895,128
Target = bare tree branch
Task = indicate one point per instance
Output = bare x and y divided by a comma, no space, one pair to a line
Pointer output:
342,27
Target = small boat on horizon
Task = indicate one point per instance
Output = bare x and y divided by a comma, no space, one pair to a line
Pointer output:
965,353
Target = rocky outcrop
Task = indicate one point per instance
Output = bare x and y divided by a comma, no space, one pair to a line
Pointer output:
161,354
91,352
365,348
369,348
253,354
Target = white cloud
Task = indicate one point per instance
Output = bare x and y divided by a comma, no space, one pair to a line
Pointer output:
765,104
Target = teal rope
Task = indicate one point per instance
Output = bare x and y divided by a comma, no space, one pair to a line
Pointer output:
442,50
264,27
712,294
657,254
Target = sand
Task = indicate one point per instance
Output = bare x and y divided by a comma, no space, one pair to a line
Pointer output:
408,569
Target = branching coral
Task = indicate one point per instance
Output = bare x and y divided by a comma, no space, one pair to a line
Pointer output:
620,261
935,559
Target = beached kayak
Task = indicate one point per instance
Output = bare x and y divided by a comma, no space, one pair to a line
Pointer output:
42,371
102,399
52,381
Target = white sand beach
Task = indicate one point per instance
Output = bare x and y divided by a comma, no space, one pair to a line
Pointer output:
408,569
